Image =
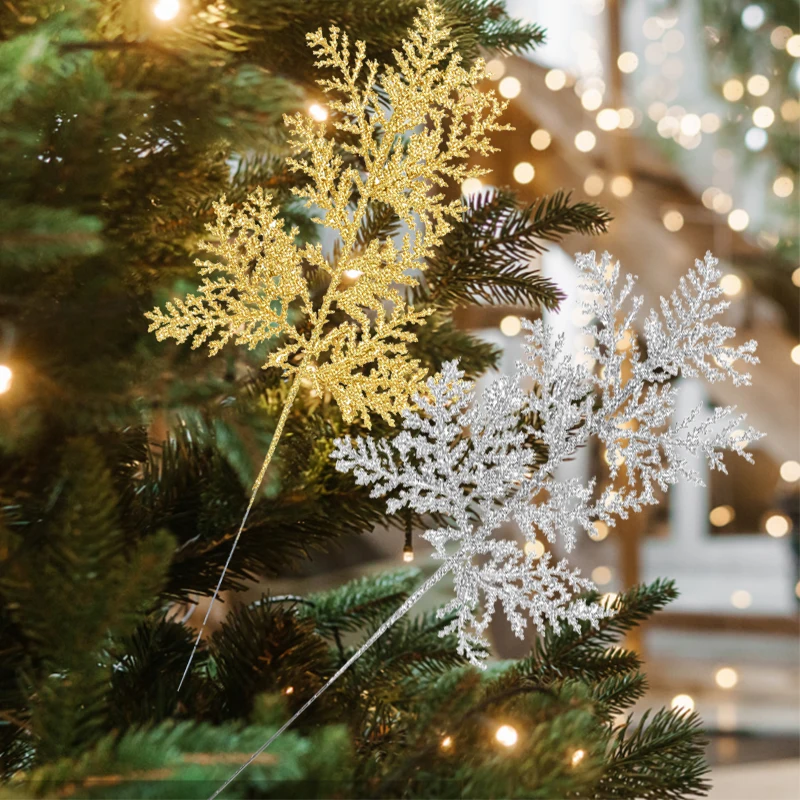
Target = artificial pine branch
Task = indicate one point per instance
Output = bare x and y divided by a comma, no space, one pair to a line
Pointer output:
659,758
486,257
78,553
591,653
360,603
620,690
266,648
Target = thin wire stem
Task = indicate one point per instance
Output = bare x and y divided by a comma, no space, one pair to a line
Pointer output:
256,486
410,601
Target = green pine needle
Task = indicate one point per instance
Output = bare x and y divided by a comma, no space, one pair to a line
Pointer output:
486,257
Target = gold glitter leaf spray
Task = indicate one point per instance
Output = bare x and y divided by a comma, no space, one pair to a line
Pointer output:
406,132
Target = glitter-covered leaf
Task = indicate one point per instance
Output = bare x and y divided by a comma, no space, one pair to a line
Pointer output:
469,459
407,131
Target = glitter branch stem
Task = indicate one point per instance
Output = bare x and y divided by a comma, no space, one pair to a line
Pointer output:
402,610
256,486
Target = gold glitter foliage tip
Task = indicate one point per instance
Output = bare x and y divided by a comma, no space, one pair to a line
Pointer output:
405,132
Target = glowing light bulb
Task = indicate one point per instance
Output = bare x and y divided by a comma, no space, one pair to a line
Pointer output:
790,110
593,185
721,516
758,85
534,548
753,17
446,743
731,285
741,598
627,117
577,757
506,735
683,702
592,99
524,172
540,139
5,378
790,471
690,124
600,530
352,274
166,10
763,117
408,555
627,61
668,126
796,277
608,119
722,203
783,186
738,219
601,575
673,221
585,141
708,196
726,678
289,690
555,79
496,69
471,186
509,87
510,325
756,139
795,355
777,526
318,112
793,46
733,90
621,186
779,36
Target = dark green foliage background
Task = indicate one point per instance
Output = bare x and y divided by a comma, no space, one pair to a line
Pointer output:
125,464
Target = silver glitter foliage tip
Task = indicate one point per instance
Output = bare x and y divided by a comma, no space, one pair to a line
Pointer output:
469,462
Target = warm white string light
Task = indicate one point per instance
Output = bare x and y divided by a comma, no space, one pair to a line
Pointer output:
524,172
541,139
577,757
585,141
621,186
471,186
601,575
790,471
507,735
741,599
166,10
555,80
509,87
510,325
684,702
726,677
777,525
318,112
720,516
6,376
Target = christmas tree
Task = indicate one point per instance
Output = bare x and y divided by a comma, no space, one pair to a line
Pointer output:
126,464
